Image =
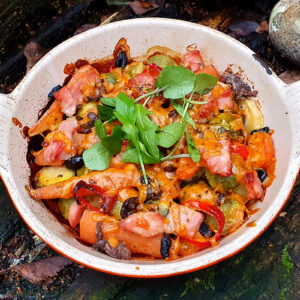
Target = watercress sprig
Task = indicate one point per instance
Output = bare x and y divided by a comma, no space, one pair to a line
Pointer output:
143,134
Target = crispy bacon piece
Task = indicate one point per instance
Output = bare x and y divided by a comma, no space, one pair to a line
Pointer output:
218,164
253,186
60,146
78,87
144,223
193,60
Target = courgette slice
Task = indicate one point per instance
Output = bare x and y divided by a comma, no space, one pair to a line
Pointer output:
253,116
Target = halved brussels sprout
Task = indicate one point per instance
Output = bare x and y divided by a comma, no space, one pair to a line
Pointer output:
135,68
111,78
161,60
233,211
64,207
85,108
220,183
116,210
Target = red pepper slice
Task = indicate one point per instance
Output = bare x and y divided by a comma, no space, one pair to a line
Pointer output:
213,211
153,70
240,149
82,189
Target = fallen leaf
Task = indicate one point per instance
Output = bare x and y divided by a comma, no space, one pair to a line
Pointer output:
33,52
141,8
84,28
290,76
243,28
39,271
263,27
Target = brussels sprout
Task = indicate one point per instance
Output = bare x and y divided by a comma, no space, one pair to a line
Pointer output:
163,208
51,175
220,183
241,190
116,210
253,116
135,68
111,78
161,60
82,171
85,108
64,207
234,217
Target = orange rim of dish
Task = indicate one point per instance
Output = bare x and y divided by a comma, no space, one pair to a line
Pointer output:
165,275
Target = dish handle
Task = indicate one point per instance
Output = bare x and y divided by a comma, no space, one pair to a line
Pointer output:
7,105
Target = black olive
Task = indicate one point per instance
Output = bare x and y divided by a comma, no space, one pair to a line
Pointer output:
74,163
92,116
264,129
165,246
142,180
55,89
176,200
35,143
129,207
205,231
166,104
170,169
122,60
172,114
86,127
221,198
152,195
262,174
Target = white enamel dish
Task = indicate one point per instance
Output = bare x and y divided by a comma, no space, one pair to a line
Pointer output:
280,105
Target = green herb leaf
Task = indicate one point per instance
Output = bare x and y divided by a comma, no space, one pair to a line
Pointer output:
113,142
125,109
142,120
147,130
109,101
97,157
180,109
105,113
100,129
204,83
192,148
177,81
131,155
170,135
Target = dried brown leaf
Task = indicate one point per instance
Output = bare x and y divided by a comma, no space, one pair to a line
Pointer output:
39,271
33,52
290,76
140,8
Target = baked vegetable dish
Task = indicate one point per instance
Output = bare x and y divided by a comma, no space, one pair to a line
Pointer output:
157,156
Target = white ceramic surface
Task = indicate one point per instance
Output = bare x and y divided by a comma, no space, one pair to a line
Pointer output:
280,105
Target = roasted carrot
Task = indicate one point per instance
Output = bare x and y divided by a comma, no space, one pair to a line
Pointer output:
53,116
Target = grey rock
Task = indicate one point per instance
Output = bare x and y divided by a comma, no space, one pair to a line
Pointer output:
285,29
